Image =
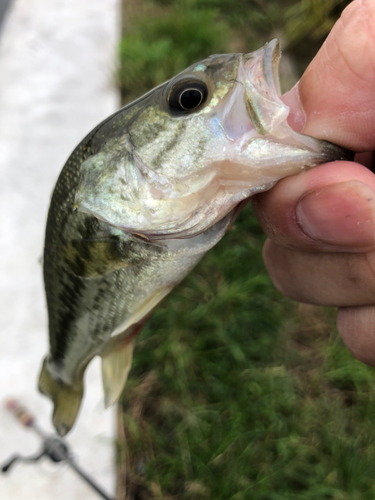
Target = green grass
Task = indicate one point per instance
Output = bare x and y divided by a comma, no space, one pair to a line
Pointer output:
236,394
160,46
163,37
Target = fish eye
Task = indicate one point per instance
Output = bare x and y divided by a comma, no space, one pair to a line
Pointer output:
187,95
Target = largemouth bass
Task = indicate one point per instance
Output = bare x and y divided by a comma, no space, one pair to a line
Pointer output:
144,196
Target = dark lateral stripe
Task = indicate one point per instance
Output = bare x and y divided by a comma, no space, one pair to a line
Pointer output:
178,137
70,298
200,146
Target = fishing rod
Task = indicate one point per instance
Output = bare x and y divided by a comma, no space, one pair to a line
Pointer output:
53,447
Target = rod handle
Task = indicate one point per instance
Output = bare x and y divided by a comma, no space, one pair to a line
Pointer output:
21,413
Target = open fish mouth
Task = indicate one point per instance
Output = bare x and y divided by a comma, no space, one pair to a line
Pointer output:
258,87
265,114
259,73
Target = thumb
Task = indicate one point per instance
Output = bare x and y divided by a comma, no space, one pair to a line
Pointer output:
337,91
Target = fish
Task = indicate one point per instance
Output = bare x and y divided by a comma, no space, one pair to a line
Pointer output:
144,196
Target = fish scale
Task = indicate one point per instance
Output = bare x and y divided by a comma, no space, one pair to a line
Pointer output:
144,196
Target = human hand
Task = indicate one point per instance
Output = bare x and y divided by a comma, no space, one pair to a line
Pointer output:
321,223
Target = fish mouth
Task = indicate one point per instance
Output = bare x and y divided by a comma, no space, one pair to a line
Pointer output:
259,74
258,87
264,115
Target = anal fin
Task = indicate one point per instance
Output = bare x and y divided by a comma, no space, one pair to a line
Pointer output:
116,364
66,399
118,353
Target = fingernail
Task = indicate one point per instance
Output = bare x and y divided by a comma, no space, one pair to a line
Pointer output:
339,214
296,117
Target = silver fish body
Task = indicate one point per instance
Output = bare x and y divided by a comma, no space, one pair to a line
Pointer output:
144,196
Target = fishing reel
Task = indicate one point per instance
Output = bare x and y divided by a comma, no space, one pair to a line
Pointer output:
53,448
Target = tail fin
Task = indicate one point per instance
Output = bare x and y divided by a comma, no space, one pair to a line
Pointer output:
66,399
